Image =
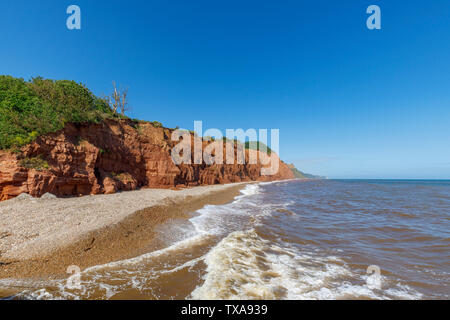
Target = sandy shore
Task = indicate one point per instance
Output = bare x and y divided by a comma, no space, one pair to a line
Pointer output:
42,237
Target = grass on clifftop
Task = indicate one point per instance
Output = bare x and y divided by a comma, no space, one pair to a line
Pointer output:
256,145
29,109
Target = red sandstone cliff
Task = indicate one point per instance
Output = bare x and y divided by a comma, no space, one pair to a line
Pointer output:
112,156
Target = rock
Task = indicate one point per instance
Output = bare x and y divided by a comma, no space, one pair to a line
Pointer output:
115,156
49,196
23,197
109,185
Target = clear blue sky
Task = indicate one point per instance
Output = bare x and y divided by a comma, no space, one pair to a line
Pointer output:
349,102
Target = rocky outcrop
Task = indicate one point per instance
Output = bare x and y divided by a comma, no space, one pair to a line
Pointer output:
111,156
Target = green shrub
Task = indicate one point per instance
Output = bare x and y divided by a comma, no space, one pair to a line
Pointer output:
139,129
37,163
157,124
29,109
256,145
123,177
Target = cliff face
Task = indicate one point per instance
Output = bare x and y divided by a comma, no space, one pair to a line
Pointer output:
113,156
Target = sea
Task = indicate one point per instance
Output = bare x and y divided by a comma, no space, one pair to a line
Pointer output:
295,240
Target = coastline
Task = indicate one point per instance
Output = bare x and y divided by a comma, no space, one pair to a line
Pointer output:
40,238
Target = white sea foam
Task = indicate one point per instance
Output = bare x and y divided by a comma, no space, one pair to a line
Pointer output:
250,189
244,266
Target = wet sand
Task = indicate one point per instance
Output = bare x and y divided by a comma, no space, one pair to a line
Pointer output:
102,229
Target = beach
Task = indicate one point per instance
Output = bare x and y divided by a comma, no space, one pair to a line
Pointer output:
43,237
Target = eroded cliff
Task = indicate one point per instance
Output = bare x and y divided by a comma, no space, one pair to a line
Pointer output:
111,156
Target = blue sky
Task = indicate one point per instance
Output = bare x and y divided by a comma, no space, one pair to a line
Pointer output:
349,102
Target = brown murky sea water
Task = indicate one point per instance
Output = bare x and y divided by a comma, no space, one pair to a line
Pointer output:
324,239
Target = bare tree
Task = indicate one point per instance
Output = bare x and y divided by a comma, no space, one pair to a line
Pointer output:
117,100
124,103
